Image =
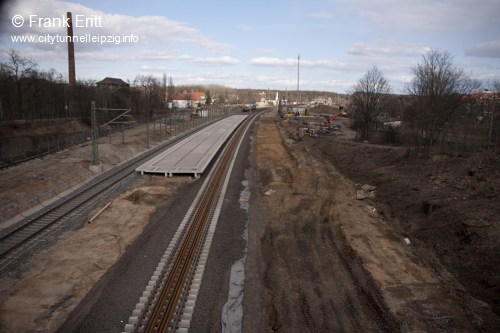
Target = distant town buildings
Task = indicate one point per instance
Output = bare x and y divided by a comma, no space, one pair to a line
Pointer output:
267,99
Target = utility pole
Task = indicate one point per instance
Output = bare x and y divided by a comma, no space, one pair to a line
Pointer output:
95,166
492,114
298,72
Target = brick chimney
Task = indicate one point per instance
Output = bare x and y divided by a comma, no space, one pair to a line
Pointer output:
71,52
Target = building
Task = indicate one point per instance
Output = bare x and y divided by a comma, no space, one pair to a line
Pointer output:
188,100
197,97
111,82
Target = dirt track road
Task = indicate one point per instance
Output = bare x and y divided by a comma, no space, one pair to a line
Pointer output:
331,262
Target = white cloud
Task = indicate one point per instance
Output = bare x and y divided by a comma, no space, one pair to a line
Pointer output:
292,62
224,60
148,29
157,69
156,55
386,49
169,56
488,50
428,15
230,79
273,62
335,85
338,40
274,81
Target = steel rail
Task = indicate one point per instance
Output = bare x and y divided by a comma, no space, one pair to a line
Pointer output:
167,308
36,225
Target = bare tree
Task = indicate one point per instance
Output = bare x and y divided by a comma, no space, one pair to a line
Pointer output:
369,97
437,89
18,67
170,90
164,90
28,93
208,98
151,90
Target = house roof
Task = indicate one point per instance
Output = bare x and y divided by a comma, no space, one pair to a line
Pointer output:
112,81
193,96
479,96
197,96
179,97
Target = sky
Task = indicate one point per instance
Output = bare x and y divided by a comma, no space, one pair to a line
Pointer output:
255,44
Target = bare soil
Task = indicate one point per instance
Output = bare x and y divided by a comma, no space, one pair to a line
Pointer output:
42,293
449,206
335,263
30,184
332,263
57,279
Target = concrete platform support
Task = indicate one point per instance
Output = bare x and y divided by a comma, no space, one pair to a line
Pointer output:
95,168
193,154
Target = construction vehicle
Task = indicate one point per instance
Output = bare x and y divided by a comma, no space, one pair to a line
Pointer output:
249,107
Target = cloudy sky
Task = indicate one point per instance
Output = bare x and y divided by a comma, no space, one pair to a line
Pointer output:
255,44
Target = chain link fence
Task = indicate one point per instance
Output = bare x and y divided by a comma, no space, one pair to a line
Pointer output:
152,132
158,129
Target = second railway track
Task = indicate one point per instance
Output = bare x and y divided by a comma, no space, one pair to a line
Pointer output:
17,239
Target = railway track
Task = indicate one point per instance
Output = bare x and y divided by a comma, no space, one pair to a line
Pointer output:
168,300
16,240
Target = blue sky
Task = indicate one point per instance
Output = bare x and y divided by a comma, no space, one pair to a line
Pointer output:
254,44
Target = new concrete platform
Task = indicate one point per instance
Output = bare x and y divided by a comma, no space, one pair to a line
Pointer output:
193,154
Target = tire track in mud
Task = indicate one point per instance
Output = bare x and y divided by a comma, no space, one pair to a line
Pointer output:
310,284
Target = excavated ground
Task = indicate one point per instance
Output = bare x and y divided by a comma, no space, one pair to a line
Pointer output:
448,206
334,263
39,295
55,280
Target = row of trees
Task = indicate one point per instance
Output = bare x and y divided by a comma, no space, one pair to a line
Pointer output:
26,92
434,107
29,94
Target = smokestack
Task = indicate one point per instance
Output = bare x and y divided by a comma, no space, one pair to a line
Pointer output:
71,52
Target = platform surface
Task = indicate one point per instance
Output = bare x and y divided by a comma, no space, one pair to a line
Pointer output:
193,154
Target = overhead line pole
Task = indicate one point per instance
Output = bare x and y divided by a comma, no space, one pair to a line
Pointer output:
298,77
95,166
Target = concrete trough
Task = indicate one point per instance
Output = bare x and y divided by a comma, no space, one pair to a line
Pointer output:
193,154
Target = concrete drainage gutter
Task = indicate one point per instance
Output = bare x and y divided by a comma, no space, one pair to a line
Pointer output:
232,311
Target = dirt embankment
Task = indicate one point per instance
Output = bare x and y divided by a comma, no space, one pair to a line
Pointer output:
16,140
334,263
54,281
30,184
56,128
449,206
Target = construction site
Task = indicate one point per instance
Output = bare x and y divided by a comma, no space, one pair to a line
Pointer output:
334,218
154,208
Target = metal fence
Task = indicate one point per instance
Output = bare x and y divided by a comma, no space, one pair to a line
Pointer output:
158,129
